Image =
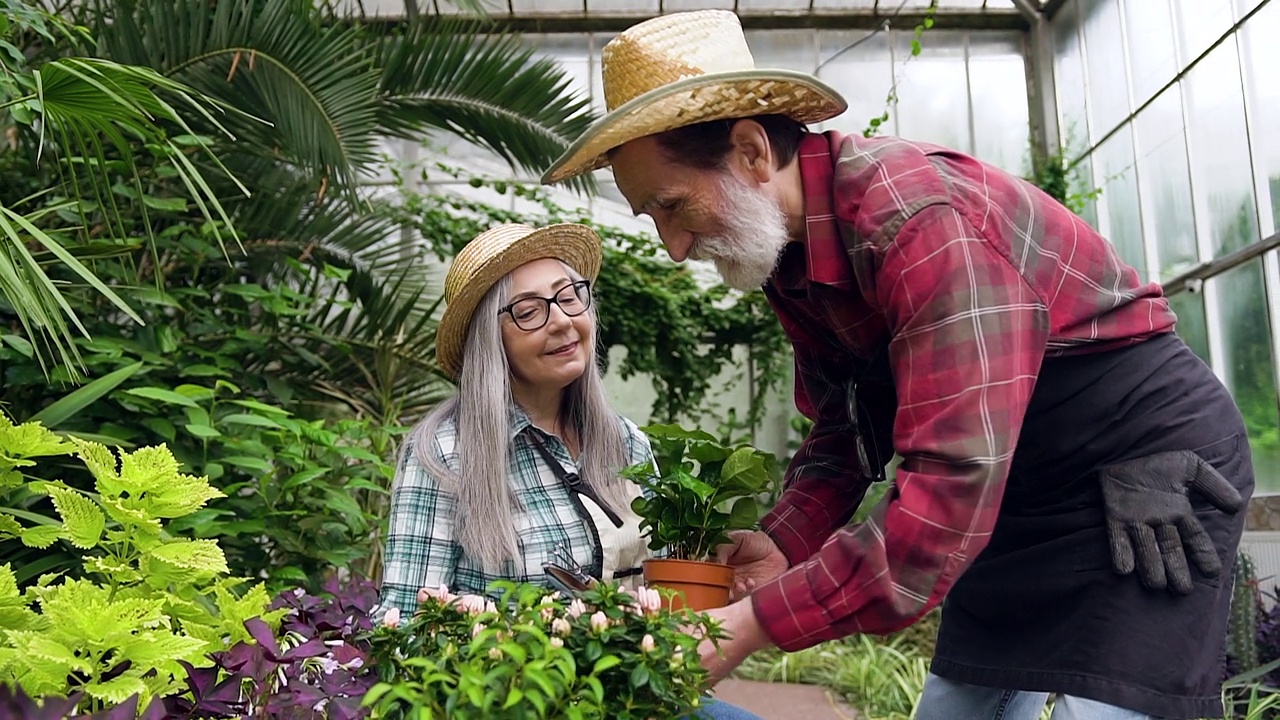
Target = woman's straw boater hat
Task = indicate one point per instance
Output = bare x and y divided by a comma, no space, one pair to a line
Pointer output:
488,258
682,69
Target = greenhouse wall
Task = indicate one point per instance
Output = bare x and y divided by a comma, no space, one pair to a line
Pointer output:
1168,113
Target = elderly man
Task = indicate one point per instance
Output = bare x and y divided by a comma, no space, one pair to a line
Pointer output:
1055,433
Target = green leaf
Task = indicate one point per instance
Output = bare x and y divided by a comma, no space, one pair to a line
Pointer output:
117,689
42,536
19,343
639,676
203,556
175,204
745,514
248,463
82,521
202,431
254,420
162,395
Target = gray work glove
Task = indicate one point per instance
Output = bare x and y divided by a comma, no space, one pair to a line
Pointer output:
1150,519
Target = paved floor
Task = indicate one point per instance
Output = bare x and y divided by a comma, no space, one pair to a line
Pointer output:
784,701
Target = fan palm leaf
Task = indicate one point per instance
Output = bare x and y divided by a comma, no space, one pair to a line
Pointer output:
274,59
490,89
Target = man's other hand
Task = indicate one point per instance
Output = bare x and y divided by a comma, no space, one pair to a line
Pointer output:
755,559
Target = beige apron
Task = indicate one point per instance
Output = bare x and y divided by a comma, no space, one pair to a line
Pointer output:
620,547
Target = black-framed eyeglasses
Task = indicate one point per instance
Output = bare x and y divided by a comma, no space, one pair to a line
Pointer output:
531,313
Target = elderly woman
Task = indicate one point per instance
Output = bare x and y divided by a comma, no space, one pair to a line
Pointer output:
521,467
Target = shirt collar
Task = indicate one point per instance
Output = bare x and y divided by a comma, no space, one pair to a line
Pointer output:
826,258
518,420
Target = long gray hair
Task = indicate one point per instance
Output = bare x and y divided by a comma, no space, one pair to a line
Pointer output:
485,523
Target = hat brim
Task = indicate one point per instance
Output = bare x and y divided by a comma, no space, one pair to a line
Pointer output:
576,245
715,96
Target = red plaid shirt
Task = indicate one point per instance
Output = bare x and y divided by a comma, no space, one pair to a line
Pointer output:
972,277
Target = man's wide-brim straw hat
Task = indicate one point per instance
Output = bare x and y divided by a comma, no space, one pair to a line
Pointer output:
682,69
488,258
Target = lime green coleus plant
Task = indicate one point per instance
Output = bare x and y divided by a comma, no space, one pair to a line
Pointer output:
143,601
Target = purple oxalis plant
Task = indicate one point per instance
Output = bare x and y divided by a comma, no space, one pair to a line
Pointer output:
315,667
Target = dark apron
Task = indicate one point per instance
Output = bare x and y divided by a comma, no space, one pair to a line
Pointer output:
1041,609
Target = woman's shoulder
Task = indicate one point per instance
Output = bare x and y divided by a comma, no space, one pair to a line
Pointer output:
437,441
636,440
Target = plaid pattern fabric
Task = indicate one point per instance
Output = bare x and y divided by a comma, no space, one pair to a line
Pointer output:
422,550
972,277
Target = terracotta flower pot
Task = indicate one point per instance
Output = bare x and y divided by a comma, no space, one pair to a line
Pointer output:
698,585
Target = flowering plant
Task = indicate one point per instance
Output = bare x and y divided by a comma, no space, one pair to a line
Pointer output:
608,653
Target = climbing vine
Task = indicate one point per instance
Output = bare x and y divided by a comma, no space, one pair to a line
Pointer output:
875,124
680,334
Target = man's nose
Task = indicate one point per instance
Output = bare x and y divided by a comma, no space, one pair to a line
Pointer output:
678,242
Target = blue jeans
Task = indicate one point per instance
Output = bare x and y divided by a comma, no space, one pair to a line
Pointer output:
947,700
713,709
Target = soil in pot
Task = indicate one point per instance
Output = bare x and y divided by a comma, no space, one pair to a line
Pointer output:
698,585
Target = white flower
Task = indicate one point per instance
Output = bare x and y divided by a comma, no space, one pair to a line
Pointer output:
599,621
392,618
557,642
560,626
646,643
495,653
546,613
547,600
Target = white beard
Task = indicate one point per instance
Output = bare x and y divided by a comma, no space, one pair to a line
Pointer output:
755,233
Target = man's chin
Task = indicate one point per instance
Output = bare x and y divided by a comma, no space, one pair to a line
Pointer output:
740,277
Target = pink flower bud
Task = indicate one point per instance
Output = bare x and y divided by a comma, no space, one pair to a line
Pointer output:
560,626
546,613
471,604
495,653
441,593
599,621
576,608
646,643
477,629
392,618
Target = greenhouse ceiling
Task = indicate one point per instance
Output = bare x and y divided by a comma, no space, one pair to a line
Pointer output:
615,15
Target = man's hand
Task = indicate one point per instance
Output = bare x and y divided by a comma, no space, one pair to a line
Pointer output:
745,637
755,559
1150,518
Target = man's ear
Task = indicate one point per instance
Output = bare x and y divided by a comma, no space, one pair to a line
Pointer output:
752,156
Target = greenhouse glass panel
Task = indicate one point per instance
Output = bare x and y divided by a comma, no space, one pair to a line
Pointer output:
1153,60
1219,148
933,94
1069,82
1249,366
998,91
1200,23
1191,326
1164,183
858,65
784,49
1261,55
1244,6
1119,200
1104,66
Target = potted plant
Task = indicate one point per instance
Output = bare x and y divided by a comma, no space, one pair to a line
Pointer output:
702,490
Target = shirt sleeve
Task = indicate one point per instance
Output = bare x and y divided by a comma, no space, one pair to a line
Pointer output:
421,549
969,335
822,485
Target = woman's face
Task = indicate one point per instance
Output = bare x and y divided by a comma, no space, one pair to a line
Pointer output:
552,356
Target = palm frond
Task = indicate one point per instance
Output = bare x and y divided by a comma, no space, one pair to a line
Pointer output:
273,59
489,89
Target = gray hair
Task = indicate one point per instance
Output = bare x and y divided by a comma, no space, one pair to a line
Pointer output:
485,522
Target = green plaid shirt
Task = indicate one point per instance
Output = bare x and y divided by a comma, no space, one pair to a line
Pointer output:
422,550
